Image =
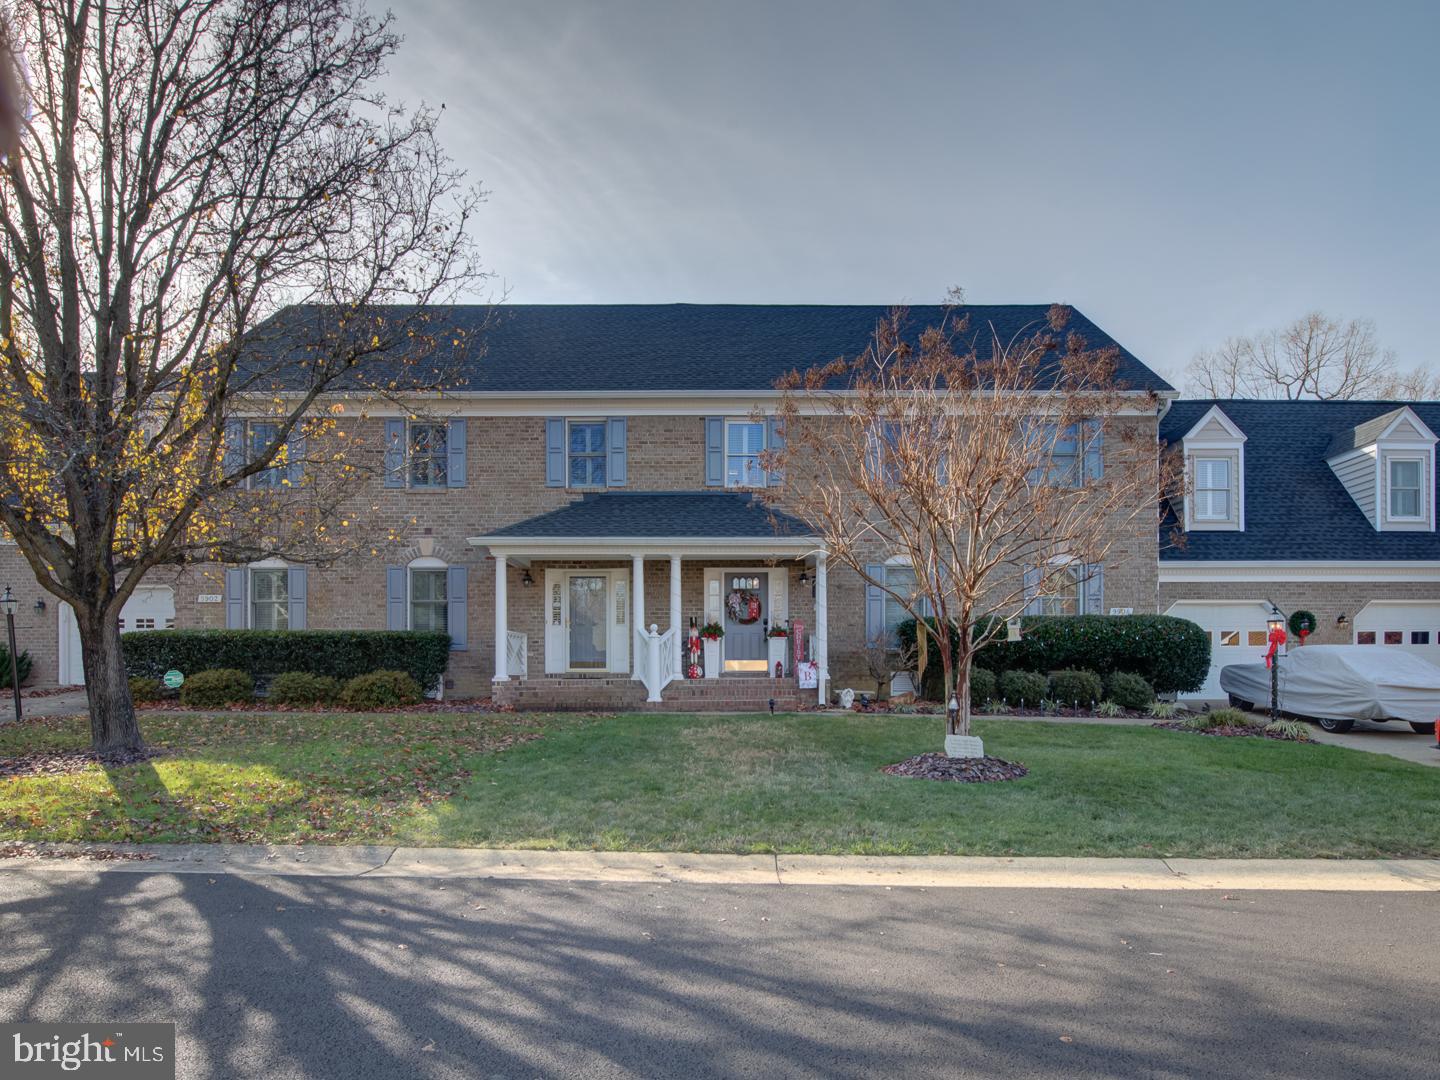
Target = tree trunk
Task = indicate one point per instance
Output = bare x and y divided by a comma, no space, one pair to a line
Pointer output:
113,728
962,696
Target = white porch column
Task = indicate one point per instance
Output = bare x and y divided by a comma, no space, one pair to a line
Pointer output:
637,595
822,630
679,672
502,635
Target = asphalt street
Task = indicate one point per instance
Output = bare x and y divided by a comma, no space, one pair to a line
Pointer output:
282,977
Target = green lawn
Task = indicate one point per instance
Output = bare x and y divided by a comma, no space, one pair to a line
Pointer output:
698,783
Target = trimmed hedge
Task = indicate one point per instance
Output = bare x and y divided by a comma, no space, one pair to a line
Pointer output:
1075,687
1172,655
143,688
22,666
303,688
217,688
341,654
1023,688
380,690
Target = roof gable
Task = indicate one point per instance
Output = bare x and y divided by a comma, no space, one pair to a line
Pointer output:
1214,426
1401,425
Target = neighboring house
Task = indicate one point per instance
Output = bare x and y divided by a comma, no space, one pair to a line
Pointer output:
1327,507
593,473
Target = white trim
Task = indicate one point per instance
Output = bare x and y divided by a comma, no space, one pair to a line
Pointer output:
1393,459
1178,572
424,565
727,424
1427,437
612,547
1191,447
1218,415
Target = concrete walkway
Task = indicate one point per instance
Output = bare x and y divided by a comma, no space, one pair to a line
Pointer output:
931,871
66,704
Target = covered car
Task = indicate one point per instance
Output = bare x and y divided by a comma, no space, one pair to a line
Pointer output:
1339,684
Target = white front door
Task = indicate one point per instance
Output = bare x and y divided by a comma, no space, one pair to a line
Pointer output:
1411,626
1239,634
152,607
587,621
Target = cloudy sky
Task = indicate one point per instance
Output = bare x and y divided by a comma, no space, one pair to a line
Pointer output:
1180,172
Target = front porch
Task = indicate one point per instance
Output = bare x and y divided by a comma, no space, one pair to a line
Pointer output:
594,613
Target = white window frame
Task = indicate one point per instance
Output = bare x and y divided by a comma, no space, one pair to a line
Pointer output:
1229,488
1419,461
764,477
1230,443
426,566
282,605
603,453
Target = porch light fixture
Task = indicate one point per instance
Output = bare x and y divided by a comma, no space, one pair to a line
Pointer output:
804,576
1343,621
526,579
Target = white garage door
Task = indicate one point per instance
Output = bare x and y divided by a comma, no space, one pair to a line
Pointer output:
151,608
1412,626
1238,635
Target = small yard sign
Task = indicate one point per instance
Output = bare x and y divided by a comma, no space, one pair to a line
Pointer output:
173,679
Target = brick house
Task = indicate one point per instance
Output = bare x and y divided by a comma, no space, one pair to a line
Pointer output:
594,474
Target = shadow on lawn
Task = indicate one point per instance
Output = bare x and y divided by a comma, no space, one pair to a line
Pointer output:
345,977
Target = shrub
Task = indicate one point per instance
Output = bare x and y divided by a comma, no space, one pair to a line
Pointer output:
983,686
1129,691
217,688
303,688
1109,708
144,688
1075,687
1163,710
341,654
1023,686
1288,729
22,666
380,690
1172,655
1220,718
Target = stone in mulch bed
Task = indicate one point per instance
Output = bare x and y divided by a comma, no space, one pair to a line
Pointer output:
966,770
1228,731
33,851
61,762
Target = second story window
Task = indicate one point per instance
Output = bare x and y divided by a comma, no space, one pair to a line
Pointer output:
744,443
262,434
1212,489
429,455
424,455
1074,454
1406,489
587,453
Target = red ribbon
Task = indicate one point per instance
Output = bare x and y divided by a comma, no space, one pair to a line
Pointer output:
1277,638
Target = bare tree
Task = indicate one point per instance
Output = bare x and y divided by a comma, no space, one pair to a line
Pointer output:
1000,473
1313,357
182,171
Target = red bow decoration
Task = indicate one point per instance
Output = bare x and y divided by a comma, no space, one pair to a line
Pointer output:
1277,638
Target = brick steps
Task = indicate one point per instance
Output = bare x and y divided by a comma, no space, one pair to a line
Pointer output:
729,693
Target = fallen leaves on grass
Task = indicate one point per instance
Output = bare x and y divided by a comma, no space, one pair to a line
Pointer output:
61,762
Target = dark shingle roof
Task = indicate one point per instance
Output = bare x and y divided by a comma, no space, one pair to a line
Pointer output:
1362,434
1295,506
660,515
535,348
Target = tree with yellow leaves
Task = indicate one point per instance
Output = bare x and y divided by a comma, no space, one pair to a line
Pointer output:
178,173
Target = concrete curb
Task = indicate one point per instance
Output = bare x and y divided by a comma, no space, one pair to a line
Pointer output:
928,871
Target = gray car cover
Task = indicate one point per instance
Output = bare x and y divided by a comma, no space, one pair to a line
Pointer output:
1354,682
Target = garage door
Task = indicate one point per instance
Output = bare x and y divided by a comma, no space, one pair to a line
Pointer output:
1412,626
1238,635
151,608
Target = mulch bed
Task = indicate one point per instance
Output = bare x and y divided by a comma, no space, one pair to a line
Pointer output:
32,851
1236,731
983,770
62,762
51,691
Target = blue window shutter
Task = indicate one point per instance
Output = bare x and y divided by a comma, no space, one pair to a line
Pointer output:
775,441
874,602
555,451
295,579
234,459
615,446
395,598
714,451
1094,590
395,453
1094,451
295,451
1033,605
455,454
235,599
457,598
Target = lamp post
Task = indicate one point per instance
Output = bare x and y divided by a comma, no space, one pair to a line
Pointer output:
1276,627
8,604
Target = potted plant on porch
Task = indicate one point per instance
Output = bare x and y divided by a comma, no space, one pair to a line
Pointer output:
710,635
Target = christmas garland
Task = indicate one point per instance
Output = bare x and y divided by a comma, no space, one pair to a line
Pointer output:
743,607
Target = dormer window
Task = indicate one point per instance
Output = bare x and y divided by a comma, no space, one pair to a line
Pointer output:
1407,489
1213,488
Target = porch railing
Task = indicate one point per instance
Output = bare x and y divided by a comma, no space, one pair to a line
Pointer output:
655,658
517,654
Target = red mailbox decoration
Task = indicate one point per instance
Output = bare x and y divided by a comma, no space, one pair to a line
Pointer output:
1277,638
